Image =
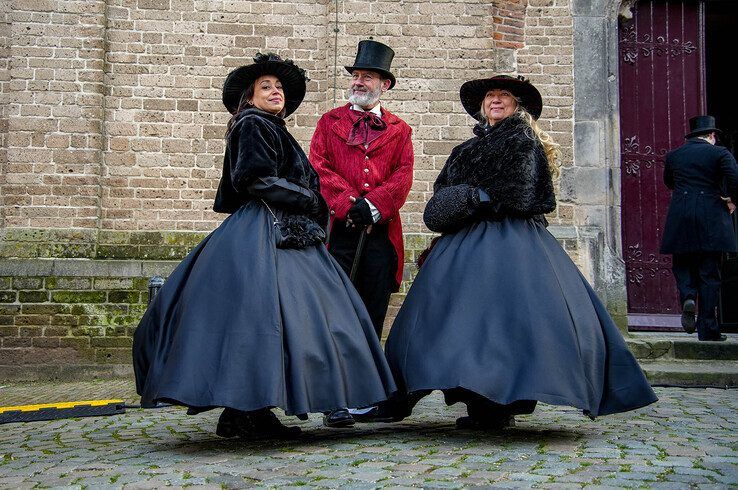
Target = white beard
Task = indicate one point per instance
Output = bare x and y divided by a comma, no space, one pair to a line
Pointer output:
364,99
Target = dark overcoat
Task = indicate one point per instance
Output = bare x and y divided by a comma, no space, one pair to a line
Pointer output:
698,220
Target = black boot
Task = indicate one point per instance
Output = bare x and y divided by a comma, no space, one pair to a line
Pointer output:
258,424
491,424
688,315
485,415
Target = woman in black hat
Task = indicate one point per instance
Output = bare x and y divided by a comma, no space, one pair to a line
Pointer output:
259,315
498,316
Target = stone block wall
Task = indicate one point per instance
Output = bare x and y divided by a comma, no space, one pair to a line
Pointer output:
112,127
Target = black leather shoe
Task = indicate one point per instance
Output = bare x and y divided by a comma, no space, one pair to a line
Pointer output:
688,310
720,338
338,418
376,414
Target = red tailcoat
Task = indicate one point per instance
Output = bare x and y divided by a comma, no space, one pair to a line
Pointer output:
382,172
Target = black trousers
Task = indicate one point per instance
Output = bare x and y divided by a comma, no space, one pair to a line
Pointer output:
698,277
375,278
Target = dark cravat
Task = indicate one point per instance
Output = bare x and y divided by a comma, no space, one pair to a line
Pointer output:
367,127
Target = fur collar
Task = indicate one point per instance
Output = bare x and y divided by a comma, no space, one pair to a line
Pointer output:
509,163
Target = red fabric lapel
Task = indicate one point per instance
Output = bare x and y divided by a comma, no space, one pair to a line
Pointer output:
392,129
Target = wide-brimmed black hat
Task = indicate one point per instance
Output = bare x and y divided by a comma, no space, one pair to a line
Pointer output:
472,94
699,125
293,80
374,56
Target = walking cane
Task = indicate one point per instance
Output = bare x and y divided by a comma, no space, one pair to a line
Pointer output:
357,256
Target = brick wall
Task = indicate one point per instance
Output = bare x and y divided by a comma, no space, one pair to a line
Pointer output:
112,125
55,114
5,42
62,319
547,60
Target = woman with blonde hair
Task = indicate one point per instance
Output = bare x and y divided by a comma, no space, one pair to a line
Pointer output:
499,317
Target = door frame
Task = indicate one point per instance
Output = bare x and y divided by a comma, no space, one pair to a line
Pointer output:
597,147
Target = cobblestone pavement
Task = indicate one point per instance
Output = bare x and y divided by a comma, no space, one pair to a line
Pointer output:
687,439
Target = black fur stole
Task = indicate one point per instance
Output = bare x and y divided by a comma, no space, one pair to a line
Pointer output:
509,163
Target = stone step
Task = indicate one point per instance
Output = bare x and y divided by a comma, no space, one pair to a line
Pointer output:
695,373
694,349
659,346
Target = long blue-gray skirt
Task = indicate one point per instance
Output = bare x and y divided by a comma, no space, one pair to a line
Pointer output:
242,324
499,309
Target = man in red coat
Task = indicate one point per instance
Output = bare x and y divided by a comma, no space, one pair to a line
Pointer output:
364,156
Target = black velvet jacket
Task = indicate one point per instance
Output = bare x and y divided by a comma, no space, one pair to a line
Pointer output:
508,163
263,161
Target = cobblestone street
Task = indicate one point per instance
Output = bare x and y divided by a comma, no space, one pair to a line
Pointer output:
688,438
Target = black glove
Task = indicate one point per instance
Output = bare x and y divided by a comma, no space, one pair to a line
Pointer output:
483,202
360,214
318,210
480,198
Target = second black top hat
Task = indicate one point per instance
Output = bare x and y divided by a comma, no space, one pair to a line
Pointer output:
699,125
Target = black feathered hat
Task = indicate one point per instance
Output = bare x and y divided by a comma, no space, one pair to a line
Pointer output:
293,80
374,56
472,94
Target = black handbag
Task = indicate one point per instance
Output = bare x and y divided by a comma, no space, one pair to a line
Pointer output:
296,230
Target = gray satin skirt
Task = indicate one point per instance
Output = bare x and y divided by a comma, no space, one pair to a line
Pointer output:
500,309
242,324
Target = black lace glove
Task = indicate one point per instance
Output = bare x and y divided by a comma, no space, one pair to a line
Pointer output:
360,214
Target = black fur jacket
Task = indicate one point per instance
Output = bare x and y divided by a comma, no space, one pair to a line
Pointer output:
507,163
264,162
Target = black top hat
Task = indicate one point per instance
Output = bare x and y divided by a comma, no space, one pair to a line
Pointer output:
374,56
699,125
293,80
472,94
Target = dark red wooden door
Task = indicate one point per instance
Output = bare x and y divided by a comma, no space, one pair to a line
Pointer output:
661,87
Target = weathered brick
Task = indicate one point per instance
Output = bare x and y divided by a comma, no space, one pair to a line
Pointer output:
154,4
7,296
124,297
8,331
33,296
113,356
78,296
15,342
126,342
28,282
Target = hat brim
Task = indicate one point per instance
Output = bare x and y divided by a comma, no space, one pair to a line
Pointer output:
293,84
472,94
701,132
385,74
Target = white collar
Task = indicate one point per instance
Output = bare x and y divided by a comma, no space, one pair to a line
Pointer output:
377,109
